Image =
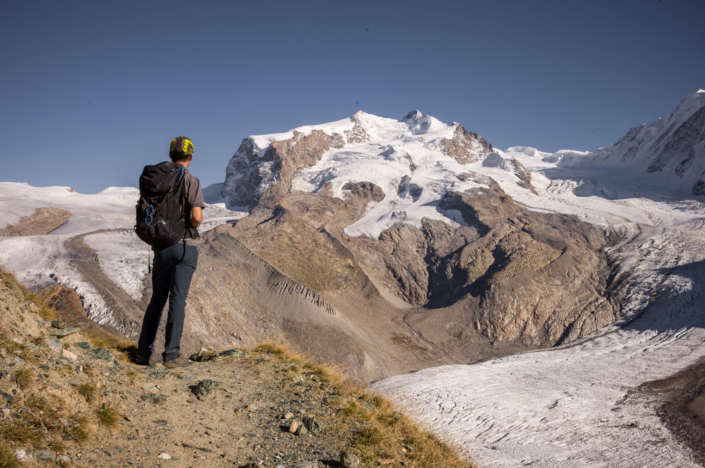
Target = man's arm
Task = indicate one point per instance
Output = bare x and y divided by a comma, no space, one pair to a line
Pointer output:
196,216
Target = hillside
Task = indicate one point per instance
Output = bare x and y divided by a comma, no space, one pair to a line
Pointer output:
73,398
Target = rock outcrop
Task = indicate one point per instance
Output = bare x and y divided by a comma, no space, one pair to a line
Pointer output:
465,147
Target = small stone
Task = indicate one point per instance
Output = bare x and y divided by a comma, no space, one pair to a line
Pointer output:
383,462
253,465
66,332
100,353
69,355
60,324
289,415
3,352
232,352
5,412
33,347
23,455
250,408
164,456
157,366
46,455
64,422
187,378
150,387
301,431
140,433
293,427
348,459
312,425
204,388
83,345
16,360
55,344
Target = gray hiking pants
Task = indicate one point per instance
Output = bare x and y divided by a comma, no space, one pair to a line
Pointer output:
171,279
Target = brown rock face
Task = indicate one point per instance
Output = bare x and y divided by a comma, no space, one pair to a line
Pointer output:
299,152
540,279
41,222
465,147
357,134
246,171
523,175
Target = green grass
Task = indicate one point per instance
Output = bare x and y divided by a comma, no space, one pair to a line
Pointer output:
87,391
7,458
24,378
82,429
58,446
21,433
107,416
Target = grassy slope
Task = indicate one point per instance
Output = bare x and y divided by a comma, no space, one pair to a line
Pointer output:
47,412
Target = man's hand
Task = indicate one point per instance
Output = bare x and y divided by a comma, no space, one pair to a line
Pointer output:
196,216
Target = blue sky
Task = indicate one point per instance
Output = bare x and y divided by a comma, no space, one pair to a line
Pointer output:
92,91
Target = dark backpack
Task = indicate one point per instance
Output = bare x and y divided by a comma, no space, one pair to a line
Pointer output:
161,207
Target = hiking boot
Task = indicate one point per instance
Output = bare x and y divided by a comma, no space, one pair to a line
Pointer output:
147,361
180,361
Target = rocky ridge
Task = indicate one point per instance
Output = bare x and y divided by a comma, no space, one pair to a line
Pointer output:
671,148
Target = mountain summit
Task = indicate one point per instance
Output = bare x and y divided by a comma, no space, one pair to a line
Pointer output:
414,158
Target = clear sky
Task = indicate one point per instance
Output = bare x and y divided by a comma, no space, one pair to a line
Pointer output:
92,91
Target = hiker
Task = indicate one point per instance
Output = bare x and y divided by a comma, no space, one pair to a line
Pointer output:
168,215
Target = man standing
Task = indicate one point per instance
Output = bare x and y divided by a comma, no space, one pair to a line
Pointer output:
173,269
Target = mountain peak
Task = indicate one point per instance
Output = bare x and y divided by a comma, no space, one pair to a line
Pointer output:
413,115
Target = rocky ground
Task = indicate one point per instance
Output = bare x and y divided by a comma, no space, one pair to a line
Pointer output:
73,398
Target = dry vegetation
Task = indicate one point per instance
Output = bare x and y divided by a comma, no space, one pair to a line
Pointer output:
44,312
383,433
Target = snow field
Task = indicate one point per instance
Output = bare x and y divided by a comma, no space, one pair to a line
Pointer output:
41,261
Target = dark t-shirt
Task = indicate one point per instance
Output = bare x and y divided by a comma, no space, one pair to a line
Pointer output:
194,199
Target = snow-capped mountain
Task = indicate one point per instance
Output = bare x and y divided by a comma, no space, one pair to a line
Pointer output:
671,149
415,161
